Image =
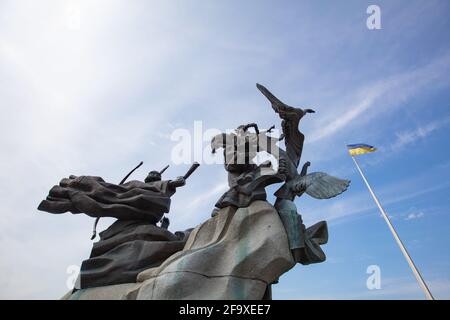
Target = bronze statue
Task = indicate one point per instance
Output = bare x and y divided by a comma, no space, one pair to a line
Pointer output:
304,243
139,242
132,243
247,181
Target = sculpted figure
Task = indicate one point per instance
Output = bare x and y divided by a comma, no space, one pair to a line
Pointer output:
238,253
93,196
304,243
132,243
246,179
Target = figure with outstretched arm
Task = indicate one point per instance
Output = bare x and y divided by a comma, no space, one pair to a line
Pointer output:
133,200
135,241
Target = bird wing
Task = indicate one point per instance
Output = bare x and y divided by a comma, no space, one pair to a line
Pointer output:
276,103
285,111
320,185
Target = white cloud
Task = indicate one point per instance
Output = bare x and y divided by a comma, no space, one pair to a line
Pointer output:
421,132
371,101
414,215
408,289
213,193
391,288
101,97
351,204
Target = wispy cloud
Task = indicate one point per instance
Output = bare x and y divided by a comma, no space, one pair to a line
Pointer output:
407,288
352,204
98,99
416,215
207,196
382,96
391,288
406,138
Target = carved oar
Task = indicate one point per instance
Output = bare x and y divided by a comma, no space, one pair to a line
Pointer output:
164,169
191,170
165,221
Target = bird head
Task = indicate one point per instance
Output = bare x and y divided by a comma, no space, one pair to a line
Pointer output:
305,169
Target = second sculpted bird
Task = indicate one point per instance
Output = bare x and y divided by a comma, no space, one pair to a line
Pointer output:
318,185
291,117
303,242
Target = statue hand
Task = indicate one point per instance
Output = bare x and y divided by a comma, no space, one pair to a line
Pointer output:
180,181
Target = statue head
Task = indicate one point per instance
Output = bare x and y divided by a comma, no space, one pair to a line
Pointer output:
153,176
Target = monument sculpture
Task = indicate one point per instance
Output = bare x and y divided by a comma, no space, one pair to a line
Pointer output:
238,253
305,244
134,242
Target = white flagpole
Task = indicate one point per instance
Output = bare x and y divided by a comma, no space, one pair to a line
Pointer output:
397,238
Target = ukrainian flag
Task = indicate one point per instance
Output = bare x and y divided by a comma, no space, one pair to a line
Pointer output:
359,148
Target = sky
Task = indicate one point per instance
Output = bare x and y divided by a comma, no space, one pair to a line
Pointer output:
94,87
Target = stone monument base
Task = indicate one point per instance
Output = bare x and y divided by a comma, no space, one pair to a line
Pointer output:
236,254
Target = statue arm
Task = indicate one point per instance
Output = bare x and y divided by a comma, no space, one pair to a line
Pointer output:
178,182
252,125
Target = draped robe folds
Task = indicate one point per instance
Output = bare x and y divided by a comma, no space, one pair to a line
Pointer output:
125,249
131,244
134,200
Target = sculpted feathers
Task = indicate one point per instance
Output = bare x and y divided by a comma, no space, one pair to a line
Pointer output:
319,185
291,117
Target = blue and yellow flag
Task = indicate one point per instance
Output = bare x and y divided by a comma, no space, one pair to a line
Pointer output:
359,148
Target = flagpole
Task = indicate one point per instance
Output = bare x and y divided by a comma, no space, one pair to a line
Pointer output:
397,238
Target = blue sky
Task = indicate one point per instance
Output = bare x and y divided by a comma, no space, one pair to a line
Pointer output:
98,96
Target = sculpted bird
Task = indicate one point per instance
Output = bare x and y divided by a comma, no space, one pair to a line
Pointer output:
303,242
291,117
318,185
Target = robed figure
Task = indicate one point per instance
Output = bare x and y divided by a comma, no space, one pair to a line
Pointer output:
135,241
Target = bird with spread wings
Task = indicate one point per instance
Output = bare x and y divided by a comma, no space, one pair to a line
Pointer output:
290,119
303,242
318,185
